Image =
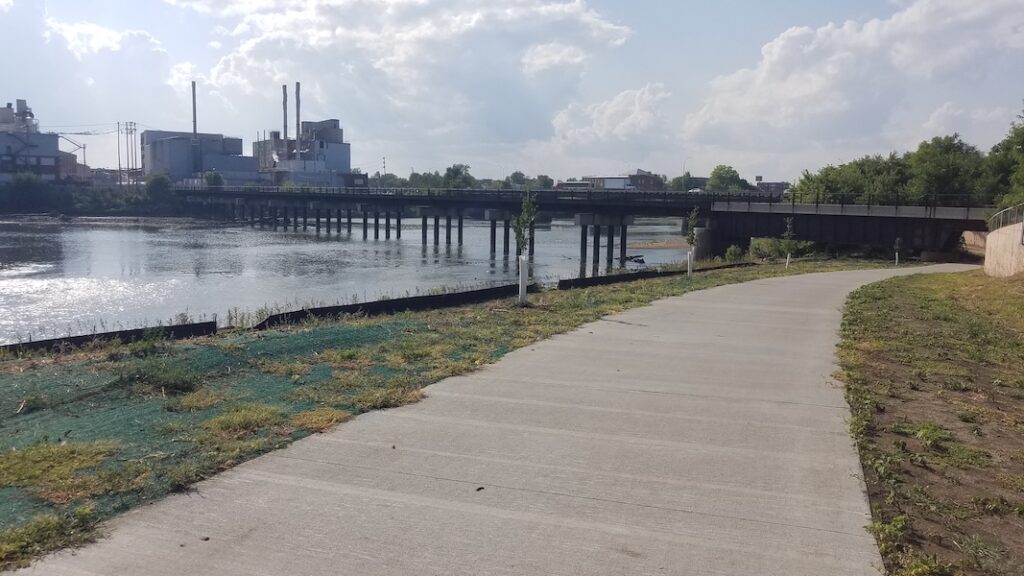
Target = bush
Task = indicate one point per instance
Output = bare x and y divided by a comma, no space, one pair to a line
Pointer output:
734,253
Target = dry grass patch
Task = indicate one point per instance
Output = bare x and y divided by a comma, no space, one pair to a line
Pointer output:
320,419
244,419
201,399
391,397
45,533
53,471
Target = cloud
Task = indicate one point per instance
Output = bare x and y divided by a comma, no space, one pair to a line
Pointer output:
6,4
866,86
629,114
84,38
553,55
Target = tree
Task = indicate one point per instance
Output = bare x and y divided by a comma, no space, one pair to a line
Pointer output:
517,178
681,183
691,228
458,176
158,188
725,178
213,179
544,182
945,171
523,221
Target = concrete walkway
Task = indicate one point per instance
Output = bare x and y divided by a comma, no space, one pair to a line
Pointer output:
700,435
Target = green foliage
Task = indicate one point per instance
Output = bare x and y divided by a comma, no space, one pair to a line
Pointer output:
681,183
523,221
213,179
158,188
458,176
945,171
734,253
726,179
544,182
45,533
691,227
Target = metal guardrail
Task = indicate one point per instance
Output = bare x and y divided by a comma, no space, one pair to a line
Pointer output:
1008,217
637,197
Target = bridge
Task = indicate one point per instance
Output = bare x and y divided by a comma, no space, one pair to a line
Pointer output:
726,218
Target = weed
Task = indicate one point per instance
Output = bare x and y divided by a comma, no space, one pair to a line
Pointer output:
161,375
201,399
320,419
1014,482
391,397
52,470
45,533
244,419
932,436
891,536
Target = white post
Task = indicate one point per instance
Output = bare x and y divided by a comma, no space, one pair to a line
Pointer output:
788,258
523,280
689,262
897,257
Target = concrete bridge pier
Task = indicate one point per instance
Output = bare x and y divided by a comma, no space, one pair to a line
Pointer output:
460,227
337,219
376,225
610,257
494,236
437,230
448,230
622,244
327,221
387,225
398,224
348,221
364,225
505,244
533,239
423,221
317,217
583,244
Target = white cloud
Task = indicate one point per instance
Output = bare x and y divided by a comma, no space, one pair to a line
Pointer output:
553,55
84,38
6,4
629,114
870,86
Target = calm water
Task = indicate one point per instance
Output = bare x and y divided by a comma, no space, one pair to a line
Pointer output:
103,274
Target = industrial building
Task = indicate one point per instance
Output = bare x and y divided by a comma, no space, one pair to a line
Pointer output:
319,156
23,148
639,180
184,155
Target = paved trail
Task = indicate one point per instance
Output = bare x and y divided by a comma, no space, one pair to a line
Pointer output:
700,435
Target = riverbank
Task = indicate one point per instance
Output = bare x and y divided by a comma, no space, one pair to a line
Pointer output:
98,431
932,366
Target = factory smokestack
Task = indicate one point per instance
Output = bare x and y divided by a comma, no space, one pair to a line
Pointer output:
195,130
284,106
298,122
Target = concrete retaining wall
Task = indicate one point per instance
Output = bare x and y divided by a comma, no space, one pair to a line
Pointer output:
1004,251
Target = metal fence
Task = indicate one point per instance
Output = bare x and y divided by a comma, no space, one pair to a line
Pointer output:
1008,217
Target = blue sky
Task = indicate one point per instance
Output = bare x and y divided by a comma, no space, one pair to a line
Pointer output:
563,87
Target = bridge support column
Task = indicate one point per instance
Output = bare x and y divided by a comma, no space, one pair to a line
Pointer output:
460,227
583,245
448,230
364,225
376,225
610,257
295,219
348,221
398,225
494,237
305,218
597,244
387,225
317,216
437,230
425,226
622,245
504,245
328,220
533,238
337,219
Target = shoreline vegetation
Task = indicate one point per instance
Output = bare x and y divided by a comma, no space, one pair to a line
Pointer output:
932,366
96,431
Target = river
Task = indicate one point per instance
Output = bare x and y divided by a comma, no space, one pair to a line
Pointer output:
99,274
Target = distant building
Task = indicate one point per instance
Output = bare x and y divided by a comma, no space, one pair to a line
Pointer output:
772,189
23,148
644,180
609,182
319,157
182,155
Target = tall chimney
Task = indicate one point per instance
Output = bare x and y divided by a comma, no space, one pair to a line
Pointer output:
284,106
298,123
195,131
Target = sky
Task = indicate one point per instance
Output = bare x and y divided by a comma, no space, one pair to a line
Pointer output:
559,87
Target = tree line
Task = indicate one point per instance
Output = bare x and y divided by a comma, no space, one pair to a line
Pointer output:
459,176
943,171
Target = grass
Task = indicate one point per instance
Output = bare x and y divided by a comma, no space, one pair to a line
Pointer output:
45,533
160,417
930,364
